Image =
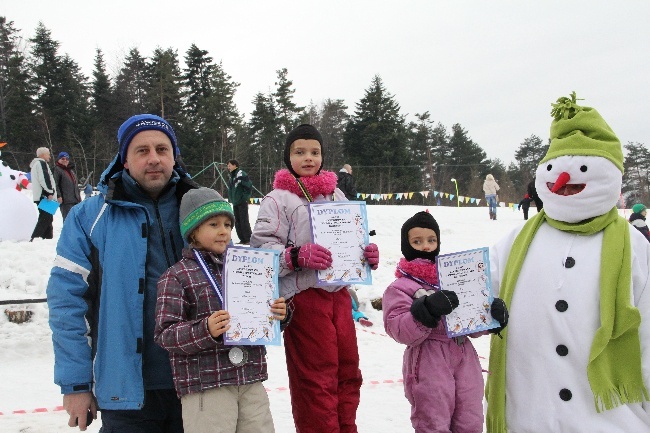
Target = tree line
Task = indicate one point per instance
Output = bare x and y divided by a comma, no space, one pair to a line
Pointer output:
46,100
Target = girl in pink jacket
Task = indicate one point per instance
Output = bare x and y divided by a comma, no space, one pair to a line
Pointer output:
442,375
320,342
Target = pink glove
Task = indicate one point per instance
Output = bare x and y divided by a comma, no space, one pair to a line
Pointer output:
371,254
310,256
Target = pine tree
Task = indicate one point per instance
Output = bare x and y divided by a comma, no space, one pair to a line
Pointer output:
441,157
287,111
221,114
527,157
131,87
101,91
164,85
75,113
17,120
198,145
636,180
331,123
467,162
197,81
266,145
62,94
104,120
421,145
46,65
376,138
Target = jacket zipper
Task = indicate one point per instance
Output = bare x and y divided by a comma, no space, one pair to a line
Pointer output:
162,233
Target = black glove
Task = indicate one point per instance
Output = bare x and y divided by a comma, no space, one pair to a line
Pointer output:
441,303
428,309
499,313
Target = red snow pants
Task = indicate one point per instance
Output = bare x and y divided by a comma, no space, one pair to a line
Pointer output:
323,362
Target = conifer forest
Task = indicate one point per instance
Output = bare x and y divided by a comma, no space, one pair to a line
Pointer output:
46,100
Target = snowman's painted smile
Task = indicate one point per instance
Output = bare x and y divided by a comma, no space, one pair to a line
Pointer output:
566,189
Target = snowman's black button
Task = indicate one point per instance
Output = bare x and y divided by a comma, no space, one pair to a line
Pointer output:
561,306
565,394
562,350
569,262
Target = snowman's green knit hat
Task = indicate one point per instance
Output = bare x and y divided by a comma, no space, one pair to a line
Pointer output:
578,130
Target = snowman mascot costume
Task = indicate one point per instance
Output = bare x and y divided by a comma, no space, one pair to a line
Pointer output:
576,354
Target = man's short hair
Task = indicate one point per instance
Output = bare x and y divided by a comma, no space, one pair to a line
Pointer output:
233,162
42,151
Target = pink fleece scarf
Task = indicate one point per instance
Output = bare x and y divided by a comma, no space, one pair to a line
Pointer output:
422,269
322,184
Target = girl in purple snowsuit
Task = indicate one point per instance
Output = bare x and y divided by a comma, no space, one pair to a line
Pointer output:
442,376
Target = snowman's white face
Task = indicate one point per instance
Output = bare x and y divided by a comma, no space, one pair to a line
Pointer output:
576,188
8,177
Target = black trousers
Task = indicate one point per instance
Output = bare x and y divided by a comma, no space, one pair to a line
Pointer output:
44,228
65,209
242,225
161,413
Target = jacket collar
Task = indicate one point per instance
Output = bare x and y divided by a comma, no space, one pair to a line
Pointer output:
321,184
421,269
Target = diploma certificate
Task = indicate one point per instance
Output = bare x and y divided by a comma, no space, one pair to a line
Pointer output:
342,227
250,287
468,274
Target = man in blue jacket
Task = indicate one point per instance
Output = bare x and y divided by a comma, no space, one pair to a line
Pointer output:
102,288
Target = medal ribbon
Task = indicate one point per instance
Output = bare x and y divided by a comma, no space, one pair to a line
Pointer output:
204,267
306,193
304,190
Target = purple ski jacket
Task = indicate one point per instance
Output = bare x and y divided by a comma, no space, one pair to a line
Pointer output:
442,376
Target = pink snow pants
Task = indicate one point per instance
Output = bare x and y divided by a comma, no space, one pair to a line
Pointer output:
444,384
323,362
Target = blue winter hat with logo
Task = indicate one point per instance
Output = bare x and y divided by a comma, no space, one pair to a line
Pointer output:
143,122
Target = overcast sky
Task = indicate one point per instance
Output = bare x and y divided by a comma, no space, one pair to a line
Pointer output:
492,66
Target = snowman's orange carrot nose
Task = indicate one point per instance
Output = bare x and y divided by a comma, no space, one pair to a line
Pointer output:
562,180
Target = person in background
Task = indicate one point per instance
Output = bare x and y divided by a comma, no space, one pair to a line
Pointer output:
217,393
320,342
102,291
491,187
88,191
524,205
345,182
43,186
442,376
66,184
637,219
357,314
240,188
532,193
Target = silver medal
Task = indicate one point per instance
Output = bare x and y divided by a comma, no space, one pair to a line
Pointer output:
237,356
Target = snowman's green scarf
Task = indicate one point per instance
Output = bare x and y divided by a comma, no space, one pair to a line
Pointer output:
614,369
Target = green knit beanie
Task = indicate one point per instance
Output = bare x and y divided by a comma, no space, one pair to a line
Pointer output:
578,130
198,205
638,208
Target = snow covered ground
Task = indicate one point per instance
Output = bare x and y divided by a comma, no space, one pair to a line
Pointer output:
26,358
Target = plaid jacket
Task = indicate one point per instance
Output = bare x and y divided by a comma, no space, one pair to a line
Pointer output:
199,361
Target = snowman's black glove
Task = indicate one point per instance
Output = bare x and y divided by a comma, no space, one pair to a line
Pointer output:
499,313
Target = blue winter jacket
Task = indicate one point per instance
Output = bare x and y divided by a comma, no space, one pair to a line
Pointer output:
97,287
